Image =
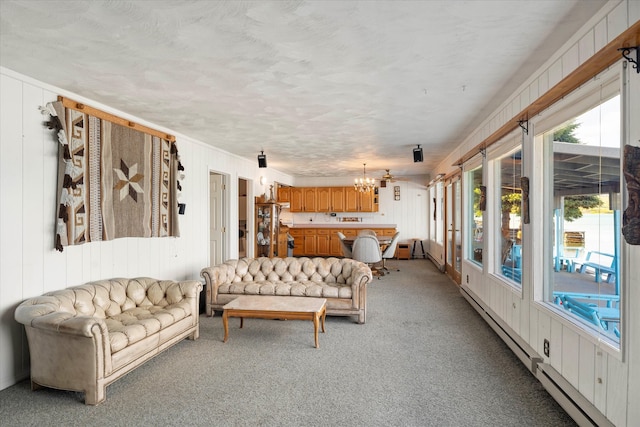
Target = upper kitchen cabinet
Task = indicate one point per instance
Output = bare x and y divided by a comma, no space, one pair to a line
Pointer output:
356,201
284,194
303,199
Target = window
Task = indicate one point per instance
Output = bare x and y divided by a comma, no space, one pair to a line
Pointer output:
432,219
583,209
439,213
508,170
476,197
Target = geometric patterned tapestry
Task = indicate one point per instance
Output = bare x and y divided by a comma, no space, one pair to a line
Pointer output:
113,181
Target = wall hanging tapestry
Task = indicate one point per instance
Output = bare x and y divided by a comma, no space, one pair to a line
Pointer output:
631,216
114,180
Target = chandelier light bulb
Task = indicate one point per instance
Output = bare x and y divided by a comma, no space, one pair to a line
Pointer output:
364,184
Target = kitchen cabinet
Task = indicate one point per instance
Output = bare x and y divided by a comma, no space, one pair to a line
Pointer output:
323,199
332,199
337,199
309,199
303,199
284,194
356,201
310,242
335,248
323,242
296,199
313,242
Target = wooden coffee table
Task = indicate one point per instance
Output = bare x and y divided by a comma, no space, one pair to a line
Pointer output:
275,307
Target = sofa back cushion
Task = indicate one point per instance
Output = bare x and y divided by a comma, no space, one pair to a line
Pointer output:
107,298
328,270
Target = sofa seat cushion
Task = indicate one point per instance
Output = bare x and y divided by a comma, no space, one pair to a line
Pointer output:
306,288
137,323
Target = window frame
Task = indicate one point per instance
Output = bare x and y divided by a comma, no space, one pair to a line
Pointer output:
509,145
468,214
600,89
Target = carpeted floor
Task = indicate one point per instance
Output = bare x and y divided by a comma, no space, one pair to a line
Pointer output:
424,358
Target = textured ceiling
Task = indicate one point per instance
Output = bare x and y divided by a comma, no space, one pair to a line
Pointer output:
321,86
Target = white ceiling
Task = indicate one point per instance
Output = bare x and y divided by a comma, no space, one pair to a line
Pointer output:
321,86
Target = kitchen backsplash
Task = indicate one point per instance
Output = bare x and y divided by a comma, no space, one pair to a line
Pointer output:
325,218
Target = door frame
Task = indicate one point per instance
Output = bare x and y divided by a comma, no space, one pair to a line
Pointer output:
224,212
450,227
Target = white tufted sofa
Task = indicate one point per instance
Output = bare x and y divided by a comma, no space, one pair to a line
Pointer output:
83,338
342,281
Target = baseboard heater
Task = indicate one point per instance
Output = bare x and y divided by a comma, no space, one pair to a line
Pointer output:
523,351
436,263
580,409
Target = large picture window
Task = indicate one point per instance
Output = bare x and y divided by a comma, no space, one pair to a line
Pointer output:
476,196
439,213
508,171
583,208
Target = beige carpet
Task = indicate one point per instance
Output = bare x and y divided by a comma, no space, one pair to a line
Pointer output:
424,358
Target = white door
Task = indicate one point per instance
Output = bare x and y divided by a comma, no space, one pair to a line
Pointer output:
216,214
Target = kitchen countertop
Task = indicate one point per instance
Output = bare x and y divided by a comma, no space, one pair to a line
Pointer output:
342,225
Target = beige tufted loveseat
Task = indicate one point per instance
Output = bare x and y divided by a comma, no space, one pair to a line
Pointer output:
342,281
83,338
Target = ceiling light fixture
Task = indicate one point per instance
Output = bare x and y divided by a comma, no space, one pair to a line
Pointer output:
417,154
364,184
262,160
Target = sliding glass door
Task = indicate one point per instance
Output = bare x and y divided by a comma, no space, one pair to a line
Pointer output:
453,219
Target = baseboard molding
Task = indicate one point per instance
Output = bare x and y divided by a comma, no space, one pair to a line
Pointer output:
522,350
435,262
14,379
577,406
583,412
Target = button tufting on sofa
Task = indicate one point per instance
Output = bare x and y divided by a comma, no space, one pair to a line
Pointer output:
341,281
83,338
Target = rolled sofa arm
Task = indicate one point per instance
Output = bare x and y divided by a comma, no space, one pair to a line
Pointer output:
360,275
44,313
214,277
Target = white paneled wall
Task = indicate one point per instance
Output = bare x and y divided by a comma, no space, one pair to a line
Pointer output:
607,378
30,266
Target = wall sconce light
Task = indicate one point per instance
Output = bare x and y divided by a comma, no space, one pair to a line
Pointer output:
263,180
262,160
417,154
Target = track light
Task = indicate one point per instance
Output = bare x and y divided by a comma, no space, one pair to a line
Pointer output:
417,154
262,160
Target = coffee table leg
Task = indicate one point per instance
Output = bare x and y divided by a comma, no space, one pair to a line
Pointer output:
324,314
225,323
315,327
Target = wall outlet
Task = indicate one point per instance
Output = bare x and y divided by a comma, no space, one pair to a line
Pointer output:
467,278
545,347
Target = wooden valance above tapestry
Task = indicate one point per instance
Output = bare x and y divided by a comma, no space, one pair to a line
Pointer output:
115,178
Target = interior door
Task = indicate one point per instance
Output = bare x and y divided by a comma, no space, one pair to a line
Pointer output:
243,215
216,218
452,220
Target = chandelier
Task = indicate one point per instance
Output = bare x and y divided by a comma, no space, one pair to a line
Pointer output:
364,184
